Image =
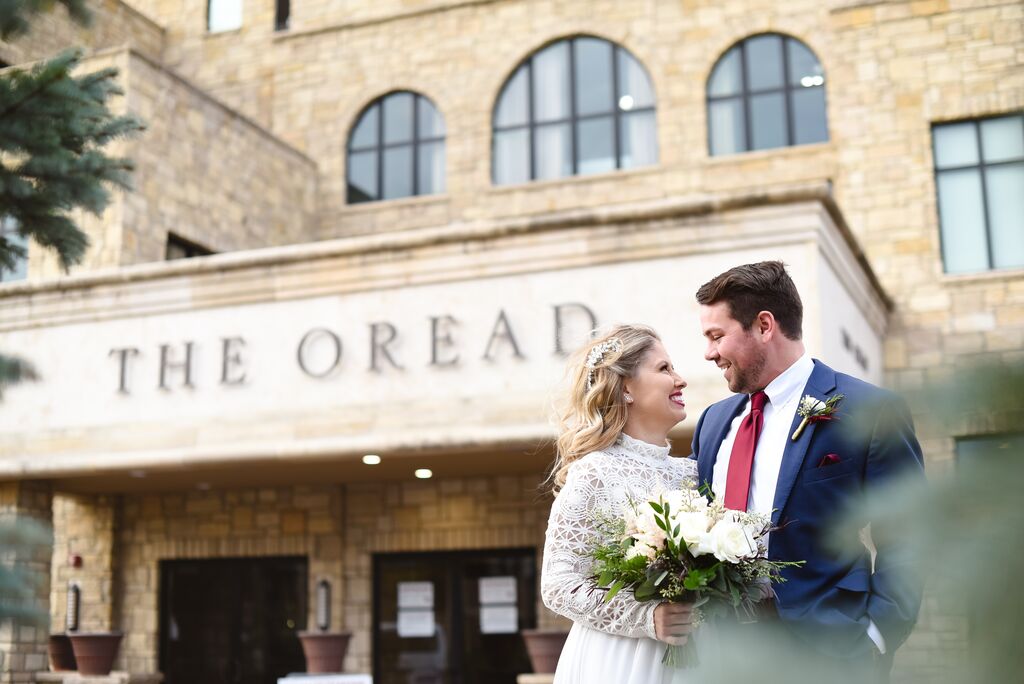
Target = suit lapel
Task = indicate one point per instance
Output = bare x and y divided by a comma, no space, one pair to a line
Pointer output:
819,385
717,431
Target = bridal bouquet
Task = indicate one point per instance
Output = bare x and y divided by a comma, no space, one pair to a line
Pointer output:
681,548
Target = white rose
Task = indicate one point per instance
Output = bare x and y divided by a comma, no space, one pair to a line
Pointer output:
730,541
693,528
637,549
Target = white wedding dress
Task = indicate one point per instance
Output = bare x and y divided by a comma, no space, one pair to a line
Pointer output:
614,642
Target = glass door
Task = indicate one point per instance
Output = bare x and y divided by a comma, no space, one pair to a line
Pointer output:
453,617
227,621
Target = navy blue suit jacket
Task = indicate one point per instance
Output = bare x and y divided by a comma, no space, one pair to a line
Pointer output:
828,601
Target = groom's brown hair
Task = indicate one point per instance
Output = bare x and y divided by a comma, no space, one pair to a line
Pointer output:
753,288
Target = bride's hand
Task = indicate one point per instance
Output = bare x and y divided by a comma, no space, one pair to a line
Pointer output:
673,622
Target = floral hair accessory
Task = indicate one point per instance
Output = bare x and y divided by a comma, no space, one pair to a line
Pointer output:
596,356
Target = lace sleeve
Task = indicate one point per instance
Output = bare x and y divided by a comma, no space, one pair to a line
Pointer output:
566,568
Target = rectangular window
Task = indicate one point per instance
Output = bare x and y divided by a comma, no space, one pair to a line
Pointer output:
180,248
282,14
979,180
8,228
223,15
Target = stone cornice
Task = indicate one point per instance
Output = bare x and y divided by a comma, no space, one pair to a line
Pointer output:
277,273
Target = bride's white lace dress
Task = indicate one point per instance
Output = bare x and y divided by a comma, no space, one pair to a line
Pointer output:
614,642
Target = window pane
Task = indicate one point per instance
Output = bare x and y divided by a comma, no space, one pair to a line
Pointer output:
552,151
725,117
551,82
593,65
767,121
809,117
512,106
397,172
955,145
804,67
595,145
1003,139
639,140
634,82
365,133
224,15
511,157
726,79
1004,187
431,168
764,62
431,122
964,247
362,177
398,118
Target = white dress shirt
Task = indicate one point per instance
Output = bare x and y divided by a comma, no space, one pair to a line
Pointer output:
784,394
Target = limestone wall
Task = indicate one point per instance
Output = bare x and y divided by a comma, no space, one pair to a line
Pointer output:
114,24
338,527
202,171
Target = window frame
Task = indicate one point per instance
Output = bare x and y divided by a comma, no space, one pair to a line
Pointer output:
746,94
574,119
379,146
981,166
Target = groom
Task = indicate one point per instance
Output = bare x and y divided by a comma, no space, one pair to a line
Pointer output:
751,450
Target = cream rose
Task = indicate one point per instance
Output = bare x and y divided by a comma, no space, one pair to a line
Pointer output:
731,542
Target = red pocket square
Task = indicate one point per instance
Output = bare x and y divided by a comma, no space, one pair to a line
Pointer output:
829,459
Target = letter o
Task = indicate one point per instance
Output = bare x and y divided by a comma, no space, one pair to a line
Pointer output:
311,337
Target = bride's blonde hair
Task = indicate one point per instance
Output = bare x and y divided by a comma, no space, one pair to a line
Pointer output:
593,411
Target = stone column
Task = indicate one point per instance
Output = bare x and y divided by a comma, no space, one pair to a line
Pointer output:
83,529
23,641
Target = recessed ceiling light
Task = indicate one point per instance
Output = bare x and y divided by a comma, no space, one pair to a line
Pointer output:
138,474
371,459
626,102
424,473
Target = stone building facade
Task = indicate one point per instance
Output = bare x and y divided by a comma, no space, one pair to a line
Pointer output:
160,451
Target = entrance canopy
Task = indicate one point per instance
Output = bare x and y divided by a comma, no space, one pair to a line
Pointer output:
449,341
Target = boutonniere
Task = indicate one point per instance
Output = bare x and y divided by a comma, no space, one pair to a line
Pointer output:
812,410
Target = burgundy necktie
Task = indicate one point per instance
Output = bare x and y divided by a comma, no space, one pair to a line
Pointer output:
737,484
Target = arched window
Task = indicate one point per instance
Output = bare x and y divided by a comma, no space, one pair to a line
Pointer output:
576,107
396,149
766,91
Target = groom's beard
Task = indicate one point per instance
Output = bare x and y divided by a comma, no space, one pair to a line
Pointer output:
746,380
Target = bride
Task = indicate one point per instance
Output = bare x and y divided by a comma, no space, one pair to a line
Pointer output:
624,398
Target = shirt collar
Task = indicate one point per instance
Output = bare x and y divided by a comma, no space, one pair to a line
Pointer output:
790,382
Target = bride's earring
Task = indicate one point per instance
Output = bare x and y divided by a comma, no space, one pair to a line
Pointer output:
629,399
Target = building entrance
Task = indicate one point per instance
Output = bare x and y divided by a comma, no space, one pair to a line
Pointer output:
224,621
453,617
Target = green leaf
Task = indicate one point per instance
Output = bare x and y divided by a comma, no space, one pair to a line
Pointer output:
606,578
661,524
615,589
656,506
646,591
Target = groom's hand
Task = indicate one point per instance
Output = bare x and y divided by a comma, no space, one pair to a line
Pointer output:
673,622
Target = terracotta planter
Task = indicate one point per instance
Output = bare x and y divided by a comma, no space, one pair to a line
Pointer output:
95,652
324,651
544,646
62,657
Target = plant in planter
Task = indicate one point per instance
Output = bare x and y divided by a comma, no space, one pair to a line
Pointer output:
95,652
544,646
324,650
62,656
